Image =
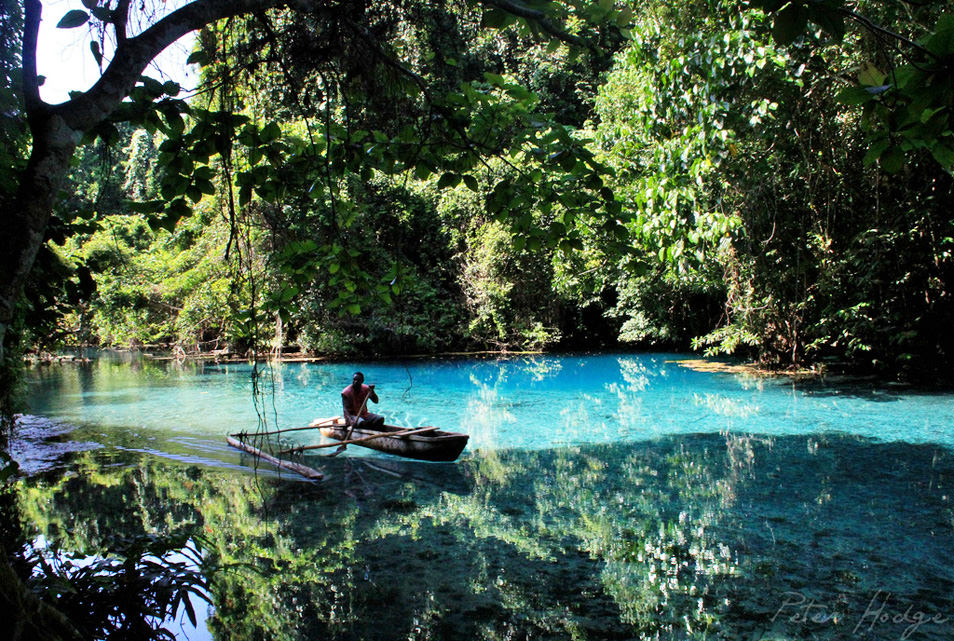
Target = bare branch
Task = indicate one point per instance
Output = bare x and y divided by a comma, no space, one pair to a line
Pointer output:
31,83
877,29
120,19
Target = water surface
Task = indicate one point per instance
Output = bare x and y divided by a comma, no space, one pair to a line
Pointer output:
601,497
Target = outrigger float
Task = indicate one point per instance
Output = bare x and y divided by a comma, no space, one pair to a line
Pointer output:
422,443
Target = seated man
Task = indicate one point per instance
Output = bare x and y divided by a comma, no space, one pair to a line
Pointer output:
354,404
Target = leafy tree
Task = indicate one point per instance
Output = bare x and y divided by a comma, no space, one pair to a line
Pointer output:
56,129
749,175
905,85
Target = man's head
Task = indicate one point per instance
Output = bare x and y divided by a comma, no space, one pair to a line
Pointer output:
357,379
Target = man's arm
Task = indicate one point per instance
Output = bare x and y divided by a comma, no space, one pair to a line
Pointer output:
346,410
373,395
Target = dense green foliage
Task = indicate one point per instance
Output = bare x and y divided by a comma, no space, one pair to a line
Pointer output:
404,181
751,176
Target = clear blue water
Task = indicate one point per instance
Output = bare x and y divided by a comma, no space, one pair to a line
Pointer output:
525,403
600,497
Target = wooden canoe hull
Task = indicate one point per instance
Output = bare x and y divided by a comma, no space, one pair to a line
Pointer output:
429,446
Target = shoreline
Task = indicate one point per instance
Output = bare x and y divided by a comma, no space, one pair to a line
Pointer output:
818,373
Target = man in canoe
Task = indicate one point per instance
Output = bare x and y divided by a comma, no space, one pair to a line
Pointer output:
354,404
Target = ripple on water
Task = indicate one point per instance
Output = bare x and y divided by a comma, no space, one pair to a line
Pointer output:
39,444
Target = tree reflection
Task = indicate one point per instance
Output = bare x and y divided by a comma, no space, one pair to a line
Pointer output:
693,537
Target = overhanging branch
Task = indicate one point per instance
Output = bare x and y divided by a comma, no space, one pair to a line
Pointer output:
880,31
133,56
539,17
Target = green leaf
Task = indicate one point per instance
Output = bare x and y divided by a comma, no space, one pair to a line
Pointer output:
941,42
354,309
830,19
624,17
190,611
90,4
448,180
271,132
874,152
769,5
571,244
871,76
854,96
288,293
944,155
789,23
471,183
892,160
73,19
495,79
9,470
205,186
198,58
97,52
146,207
152,86
245,195
496,19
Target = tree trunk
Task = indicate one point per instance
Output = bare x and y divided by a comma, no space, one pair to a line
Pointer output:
58,129
23,226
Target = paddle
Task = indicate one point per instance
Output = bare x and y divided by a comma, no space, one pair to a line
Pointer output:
408,432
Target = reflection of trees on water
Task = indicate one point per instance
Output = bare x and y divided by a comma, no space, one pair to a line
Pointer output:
677,538
646,518
542,368
725,406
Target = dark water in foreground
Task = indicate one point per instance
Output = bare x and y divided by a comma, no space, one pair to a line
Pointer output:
722,534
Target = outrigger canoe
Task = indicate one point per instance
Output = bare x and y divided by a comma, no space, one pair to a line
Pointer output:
425,445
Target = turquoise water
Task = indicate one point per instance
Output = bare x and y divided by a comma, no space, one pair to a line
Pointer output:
525,403
600,497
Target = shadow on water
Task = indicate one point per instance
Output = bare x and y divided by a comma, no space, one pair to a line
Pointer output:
699,536
869,389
